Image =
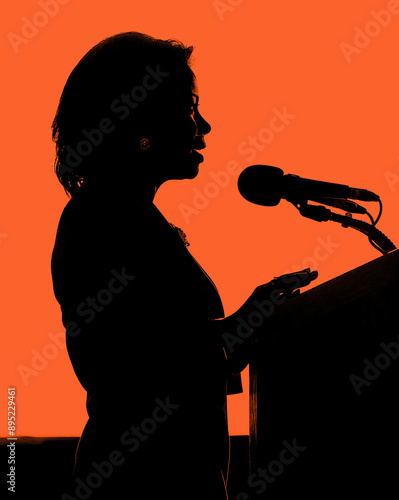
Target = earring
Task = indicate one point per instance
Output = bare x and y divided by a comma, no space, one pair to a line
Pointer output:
145,143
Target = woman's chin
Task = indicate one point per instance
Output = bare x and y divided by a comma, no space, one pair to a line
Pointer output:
189,172
187,169
193,163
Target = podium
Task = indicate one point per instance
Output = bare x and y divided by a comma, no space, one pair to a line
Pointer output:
324,390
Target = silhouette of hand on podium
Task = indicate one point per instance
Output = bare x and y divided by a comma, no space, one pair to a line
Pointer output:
238,331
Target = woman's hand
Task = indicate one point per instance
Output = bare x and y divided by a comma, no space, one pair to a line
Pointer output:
237,329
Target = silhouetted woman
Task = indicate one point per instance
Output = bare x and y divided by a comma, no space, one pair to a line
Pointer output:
139,311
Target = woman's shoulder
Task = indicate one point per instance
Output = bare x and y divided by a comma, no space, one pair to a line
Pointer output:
91,223
89,212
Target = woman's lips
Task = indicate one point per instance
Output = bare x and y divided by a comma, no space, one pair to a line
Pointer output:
197,157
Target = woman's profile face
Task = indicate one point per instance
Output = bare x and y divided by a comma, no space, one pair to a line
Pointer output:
181,135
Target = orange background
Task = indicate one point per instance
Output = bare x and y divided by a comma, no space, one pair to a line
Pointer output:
250,58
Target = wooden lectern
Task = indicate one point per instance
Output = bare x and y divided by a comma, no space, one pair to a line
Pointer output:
324,390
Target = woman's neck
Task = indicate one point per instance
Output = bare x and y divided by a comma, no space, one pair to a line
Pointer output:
131,189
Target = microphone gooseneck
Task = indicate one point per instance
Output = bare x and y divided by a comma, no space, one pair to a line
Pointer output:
266,185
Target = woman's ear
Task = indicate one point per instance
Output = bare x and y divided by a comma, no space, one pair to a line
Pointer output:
145,143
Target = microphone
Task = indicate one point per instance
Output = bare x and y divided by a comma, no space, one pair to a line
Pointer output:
266,185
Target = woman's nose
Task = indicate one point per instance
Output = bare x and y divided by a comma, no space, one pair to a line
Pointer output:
202,125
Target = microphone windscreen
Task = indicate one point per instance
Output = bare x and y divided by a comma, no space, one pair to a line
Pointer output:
261,184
